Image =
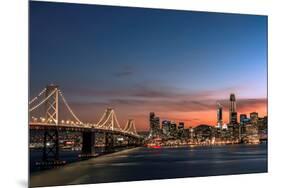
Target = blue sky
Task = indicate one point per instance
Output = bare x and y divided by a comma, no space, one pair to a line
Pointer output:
100,54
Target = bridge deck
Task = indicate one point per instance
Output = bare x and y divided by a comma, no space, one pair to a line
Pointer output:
81,128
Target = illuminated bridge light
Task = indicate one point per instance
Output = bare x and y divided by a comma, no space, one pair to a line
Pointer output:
108,121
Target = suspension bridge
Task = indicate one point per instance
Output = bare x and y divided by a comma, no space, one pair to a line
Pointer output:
44,116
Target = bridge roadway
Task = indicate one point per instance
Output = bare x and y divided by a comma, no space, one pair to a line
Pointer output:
50,152
82,128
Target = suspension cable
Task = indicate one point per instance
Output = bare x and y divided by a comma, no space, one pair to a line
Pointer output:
102,118
134,129
129,127
106,120
35,107
68,107
126,126
119,127
111,114
35,98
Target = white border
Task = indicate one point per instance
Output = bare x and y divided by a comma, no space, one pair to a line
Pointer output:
14,77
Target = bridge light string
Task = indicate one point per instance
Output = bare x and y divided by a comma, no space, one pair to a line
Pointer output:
111,125
118,125
126,126
102,126
131,128
102,118
109,113
134,128
35,98
68,107
35,107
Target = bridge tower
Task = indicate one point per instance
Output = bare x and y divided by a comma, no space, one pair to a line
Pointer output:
52,104
51,136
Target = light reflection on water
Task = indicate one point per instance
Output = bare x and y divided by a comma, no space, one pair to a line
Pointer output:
146,163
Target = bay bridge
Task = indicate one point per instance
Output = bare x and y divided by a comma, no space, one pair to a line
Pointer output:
44,117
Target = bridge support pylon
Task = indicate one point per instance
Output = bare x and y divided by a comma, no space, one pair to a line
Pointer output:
88,144
50,152
109,142
51,145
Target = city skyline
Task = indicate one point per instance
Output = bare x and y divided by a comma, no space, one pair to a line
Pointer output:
224,117
140,61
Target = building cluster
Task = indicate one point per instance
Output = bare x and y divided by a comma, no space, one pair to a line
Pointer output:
247,129
166,129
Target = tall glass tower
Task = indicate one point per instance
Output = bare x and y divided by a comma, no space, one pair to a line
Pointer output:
219,115
154,124
232,107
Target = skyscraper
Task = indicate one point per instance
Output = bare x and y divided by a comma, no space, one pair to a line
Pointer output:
219,115
166,127
173,129
157,124
181,125
181,130
254,117
233,120
232,109
243,118
151,115
154,124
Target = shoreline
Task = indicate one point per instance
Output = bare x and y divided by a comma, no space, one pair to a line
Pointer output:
85,159
207,145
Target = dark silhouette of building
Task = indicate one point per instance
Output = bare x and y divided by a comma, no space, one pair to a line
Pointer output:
181,125
204,132
254,117
173,129
166,127
243,118
154,125
181,133
233,119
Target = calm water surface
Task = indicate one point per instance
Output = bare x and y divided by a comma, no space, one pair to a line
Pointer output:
147,164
